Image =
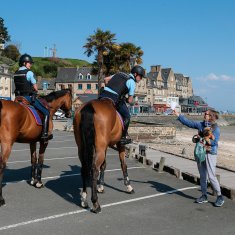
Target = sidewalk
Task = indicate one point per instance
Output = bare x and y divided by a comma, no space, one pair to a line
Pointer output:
187,169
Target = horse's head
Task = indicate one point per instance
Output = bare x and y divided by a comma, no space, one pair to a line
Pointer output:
67,104
61,99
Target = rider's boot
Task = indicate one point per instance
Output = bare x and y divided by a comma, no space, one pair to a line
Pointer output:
125,139
45,137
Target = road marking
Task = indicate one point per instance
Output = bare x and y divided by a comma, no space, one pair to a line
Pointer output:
20,150
69,175
52,159
85,210
46,159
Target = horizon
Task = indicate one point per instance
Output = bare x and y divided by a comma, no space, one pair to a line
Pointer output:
195,38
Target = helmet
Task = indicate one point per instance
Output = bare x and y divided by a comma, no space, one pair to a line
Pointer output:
139,70
25,58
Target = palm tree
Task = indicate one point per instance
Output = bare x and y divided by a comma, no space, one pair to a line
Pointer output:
127,52
101,42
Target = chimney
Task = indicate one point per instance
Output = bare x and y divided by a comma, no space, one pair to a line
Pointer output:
155,68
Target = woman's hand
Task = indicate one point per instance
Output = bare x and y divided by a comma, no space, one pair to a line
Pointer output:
176,113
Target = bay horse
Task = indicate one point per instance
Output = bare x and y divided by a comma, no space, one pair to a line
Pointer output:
97,126
17,124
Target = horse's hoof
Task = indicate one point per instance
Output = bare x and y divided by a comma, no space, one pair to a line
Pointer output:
32,182
2,202
84,205
96,210
100,189
39,185
131,192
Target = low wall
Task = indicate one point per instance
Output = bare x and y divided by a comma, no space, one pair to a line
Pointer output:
152,132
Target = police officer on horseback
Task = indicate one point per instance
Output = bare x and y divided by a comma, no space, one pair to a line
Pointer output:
116,88
26,86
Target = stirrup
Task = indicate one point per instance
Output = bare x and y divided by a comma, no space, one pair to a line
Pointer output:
124,140
50,136
44,138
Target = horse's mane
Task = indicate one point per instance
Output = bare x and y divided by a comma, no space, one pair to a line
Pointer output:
56,94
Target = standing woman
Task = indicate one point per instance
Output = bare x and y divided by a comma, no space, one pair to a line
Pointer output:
208,167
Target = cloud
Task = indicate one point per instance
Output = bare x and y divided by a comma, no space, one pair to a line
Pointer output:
214,77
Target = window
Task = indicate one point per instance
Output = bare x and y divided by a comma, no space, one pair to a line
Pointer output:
80,76
62,86
96,86
88,86
79,86
88,76
70,86
45,85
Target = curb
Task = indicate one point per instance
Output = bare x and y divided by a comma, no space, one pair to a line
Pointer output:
226,191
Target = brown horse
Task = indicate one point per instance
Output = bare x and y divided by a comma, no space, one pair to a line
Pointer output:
17,124
97,126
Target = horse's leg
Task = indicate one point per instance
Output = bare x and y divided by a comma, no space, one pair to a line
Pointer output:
42,149
98,160
100,187
94,198
121,150
5,153
84,202
33,153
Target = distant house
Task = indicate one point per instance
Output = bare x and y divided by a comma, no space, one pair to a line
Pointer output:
193,104
6,89
83,98
79,80
46,85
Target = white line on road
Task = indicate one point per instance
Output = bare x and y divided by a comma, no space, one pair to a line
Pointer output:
69,175
20,150
52,159
46,159
83,210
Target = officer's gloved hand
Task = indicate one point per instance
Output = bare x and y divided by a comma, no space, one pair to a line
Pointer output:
33,97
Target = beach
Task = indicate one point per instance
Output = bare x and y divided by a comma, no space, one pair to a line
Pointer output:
183,145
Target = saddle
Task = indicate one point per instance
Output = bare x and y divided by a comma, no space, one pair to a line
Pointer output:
21,99
38,116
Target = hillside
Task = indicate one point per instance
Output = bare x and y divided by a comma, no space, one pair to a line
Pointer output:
46,67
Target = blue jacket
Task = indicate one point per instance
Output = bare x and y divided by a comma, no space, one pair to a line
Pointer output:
200,127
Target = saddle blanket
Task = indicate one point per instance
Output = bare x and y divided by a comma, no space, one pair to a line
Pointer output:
120,117
35,114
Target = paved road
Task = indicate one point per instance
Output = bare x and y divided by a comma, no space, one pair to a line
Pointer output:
162,204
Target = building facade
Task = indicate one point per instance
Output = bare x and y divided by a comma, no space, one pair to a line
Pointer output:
5,82
79,80
153,93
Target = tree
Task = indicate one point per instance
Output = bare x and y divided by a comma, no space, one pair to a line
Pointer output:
12,52
119,58
127,52
100,43
4,37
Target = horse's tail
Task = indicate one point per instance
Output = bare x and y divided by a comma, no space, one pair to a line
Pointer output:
87,132
0,111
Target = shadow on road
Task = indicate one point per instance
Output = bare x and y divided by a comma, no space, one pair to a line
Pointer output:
68,185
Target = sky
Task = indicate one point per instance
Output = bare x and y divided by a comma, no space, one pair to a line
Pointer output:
195,38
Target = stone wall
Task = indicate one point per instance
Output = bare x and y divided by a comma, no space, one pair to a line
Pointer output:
152,132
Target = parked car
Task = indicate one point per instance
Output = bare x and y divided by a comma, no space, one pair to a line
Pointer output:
58,114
